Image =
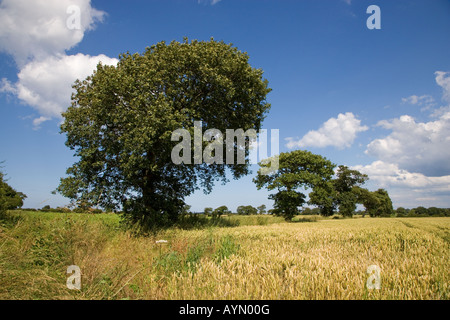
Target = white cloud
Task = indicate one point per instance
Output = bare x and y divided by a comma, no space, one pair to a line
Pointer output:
443,80
415,146
35,29
408,189
37,122
389,174
6,86
338,132
413,160
46,85
37,34
426,101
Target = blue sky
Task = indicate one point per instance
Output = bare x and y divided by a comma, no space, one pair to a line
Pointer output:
376,100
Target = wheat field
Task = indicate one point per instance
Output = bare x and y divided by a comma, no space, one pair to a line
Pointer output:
264,258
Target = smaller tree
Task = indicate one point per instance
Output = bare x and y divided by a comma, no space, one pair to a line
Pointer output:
262,209
220,211
377,203
287,203
298,169
240,210
10,199
324,198
186,210
246,210
342,192
401,212
208,211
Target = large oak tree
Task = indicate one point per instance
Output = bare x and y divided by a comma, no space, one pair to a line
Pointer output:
122,118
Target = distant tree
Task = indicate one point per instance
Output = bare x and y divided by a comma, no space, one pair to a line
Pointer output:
208,211
3,206
262,209
401,212
220,211
297,170
421,211
10,199
377,203
340,193
434,211
306,211
186,209
246,210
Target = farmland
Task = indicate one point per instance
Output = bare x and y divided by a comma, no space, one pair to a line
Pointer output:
245,257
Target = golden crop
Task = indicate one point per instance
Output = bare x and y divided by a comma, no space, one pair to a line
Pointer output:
324,259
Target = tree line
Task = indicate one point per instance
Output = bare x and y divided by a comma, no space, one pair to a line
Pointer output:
332,191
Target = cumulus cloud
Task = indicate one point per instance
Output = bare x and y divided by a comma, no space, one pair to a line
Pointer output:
408,189
338,132
35,29
413,159
422,147
389,174
46,85
37,34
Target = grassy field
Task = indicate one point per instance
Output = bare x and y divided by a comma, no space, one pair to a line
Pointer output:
255,257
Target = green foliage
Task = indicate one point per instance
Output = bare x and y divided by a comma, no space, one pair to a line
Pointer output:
208,211
297,169
220,211
286,203
377,203
122,118
10,199
340,193
246,210
324,197
422,212
262,209
3,205
186,209
227,247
